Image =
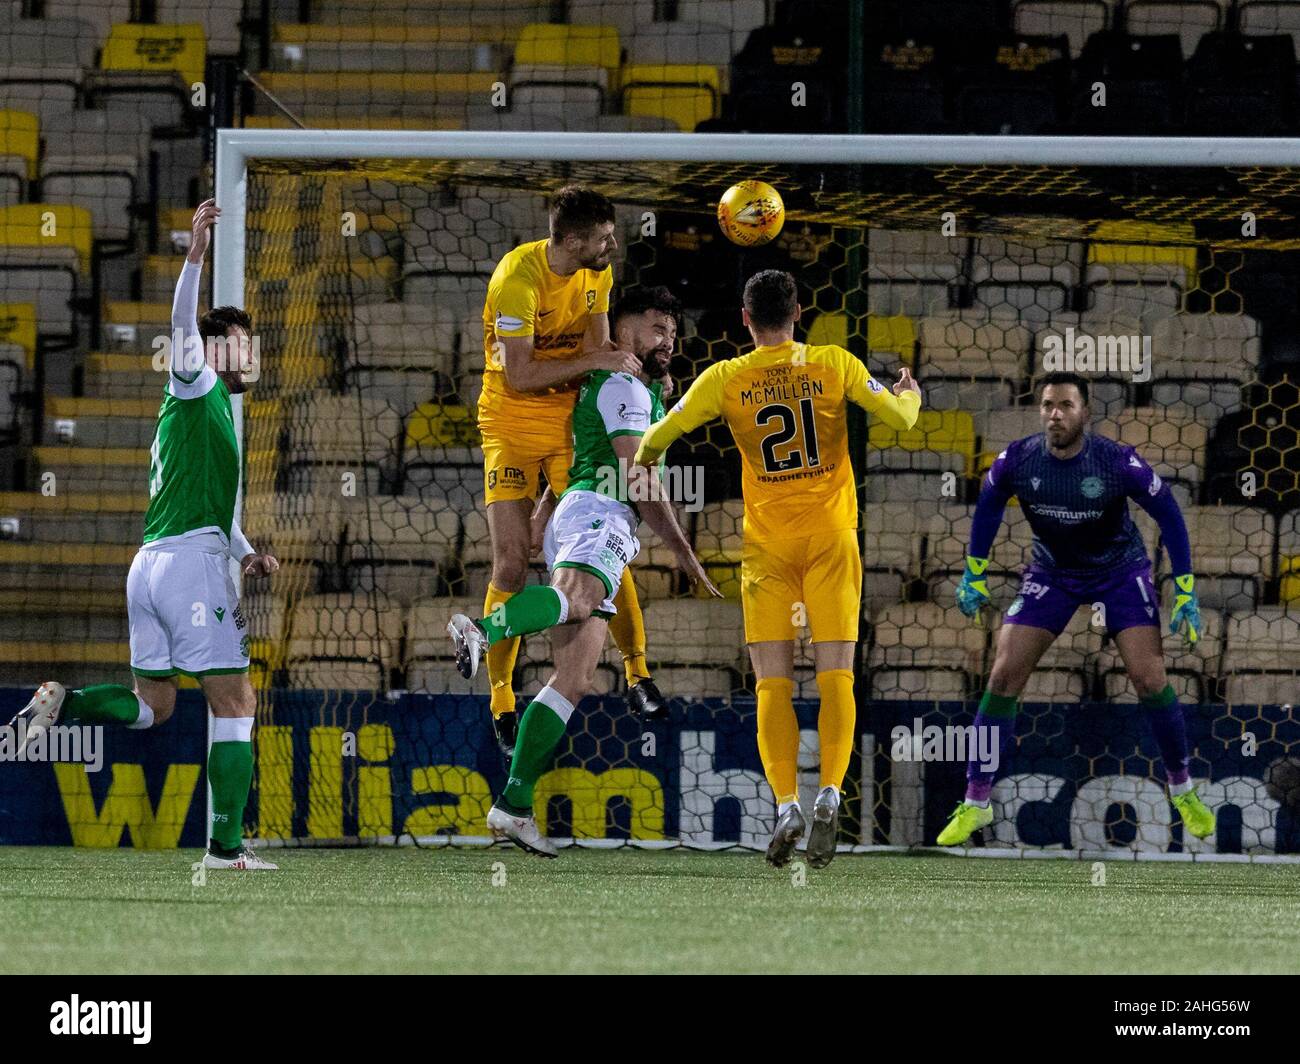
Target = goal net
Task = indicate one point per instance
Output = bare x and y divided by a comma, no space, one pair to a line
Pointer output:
365,276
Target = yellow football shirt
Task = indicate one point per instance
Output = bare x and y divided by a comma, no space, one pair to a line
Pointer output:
525,298
785,406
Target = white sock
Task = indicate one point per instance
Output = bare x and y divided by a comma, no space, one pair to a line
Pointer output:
983,805
780,809
145,719
1180,788
564,605
232,730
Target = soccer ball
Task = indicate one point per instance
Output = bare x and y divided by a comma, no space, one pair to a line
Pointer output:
750,213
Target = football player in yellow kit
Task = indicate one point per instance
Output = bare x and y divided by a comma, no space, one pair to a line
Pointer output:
545,327
785,405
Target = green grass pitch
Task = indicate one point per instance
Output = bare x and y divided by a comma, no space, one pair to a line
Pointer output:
437,910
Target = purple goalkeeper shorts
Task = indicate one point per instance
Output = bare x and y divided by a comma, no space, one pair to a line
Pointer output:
1048,599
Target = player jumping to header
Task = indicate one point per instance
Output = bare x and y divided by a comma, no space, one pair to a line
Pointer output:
545,327
785,404
1074,487
182,606
590,540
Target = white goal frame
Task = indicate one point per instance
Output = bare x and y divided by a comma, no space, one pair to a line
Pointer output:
235,148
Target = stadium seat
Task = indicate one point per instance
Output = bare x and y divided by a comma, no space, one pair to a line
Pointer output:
1189,20
923,651
740,17
18,330
1003,427
694,632
922,462
154,66
1173,445
676,42
42,62
332,437
400,545
391,48
967,364
566,68
1075,19
343,642
1241,85
1142,76
45,260
94,159
906,84
430,664
1013,84
773,60
1252,670
303,530
1191,670
1204,361
1030,280
20,148
1232,550
911,271
684,93
1067,670
892,534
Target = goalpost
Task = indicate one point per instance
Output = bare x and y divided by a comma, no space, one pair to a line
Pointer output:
974,259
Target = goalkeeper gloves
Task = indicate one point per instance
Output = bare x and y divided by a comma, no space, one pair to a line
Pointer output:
973,591
1186,609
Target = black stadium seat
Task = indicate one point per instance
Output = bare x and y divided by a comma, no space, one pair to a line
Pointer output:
1143,79
1014,84
1241,85
907,84
774,59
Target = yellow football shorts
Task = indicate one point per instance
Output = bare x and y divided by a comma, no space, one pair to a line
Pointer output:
812,581
513,463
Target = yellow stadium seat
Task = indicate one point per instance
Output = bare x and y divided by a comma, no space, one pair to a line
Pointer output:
945,431
157,49
48,225
20,135
544,44
439,425
1288,567
18,326
886,333
1144,243
687,94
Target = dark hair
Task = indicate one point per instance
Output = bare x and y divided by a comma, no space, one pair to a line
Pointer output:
1061,377
771,298
218,320
576,211
639,300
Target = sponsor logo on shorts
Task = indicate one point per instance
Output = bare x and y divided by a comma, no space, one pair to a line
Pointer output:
607,559
1091,487
1034,589
1016,606
243,647
238,616
506,475
614,546
220,611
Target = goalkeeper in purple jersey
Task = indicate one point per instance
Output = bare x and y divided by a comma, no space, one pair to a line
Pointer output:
1074,488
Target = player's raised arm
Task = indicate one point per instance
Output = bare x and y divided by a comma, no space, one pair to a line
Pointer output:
898,407
1152,494
187,360
973,591
701,404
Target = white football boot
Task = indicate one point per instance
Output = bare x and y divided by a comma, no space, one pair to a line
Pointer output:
245,861
41,712
521,830
470,643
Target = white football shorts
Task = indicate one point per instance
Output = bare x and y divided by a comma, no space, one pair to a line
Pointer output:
593,532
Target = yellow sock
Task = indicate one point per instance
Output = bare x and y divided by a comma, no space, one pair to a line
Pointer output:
778,736
501,658
835,724
628,629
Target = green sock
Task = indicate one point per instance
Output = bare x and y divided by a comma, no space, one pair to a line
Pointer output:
105,703
230,775
992,705
534,609
540,730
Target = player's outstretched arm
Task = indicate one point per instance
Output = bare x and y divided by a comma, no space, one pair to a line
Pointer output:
972,590
1151,493
899,407
656,509
701,404
187,358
